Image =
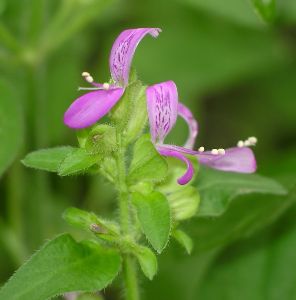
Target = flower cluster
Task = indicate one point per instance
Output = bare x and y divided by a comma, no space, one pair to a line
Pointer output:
163,108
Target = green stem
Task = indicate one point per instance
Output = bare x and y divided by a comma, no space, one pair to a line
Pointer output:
129,268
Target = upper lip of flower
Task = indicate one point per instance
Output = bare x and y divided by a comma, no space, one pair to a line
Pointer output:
163,109
89,108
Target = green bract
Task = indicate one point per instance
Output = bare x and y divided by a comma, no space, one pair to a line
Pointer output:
153,212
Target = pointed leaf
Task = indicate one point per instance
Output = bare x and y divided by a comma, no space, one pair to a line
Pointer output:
147,163
147,261
63,265
217,189
184,239
77,161
47,159
154,215
266,9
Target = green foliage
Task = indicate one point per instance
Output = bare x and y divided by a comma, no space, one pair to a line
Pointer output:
10,125
184,202
257,268
89,221
217,189
47,159
63,160
101,139
77,161
147,164
153,212
266,9
184,239
63,265
138,116
147,261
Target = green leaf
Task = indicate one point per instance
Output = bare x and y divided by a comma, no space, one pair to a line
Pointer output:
78,160
217,189
101,139
147,164
138,115
184,239
261,267
244,217
63,265
184,202
265,8
10,125
154,215
89,221
147,261
47,159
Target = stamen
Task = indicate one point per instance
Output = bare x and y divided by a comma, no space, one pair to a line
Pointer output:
253,140
201,149
215,151
240,144
106,86
89,79
88,88
221,151
247,143
85,74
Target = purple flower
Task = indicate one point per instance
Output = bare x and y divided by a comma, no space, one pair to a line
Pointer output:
163,109
89,108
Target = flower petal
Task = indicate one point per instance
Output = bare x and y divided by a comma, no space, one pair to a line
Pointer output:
186,114
241,160
166,150
162,105
89,108
123,50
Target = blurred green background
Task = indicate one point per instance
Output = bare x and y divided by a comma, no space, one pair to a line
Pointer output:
236,71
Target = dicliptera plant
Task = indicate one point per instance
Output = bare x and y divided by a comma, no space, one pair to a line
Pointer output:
152,179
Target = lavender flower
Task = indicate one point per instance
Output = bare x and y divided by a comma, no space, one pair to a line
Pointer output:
163,109
89,108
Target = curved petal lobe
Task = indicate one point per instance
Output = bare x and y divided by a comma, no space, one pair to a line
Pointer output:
241,160
123,50
89,108
162,106
186,114
167,151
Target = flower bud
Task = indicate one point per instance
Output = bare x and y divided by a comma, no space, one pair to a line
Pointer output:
101,139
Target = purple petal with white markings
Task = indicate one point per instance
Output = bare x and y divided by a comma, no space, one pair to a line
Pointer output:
166,150
162,106
123,50
241,160
186,114
89,108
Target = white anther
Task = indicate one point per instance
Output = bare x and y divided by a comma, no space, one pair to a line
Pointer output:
85,74
221,151
247,143
201,149
253,140
215,151
89,79
106,86
240,144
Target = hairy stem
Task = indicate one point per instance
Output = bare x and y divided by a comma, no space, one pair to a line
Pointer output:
129,268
